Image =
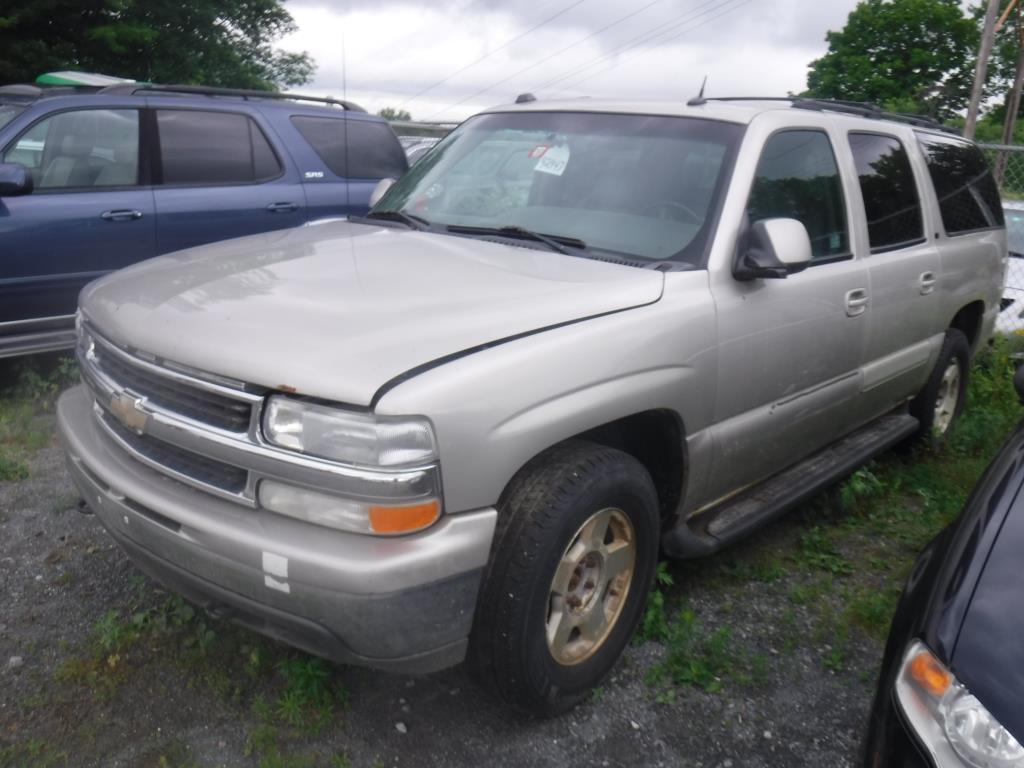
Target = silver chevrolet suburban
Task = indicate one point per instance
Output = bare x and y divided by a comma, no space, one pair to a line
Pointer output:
573,336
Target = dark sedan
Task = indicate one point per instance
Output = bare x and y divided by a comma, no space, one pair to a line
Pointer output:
951,690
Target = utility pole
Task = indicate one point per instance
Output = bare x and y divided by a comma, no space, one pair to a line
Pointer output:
987,37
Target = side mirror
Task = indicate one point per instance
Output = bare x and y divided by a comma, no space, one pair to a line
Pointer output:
380,190
14,180
772,248
1018,383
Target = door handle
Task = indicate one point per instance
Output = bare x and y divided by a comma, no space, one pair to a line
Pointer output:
121,214
927,283
282,207
856,302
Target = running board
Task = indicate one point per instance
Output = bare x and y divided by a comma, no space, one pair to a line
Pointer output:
706,533
32,343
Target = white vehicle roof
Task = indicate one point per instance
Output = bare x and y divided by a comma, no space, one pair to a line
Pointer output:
738,111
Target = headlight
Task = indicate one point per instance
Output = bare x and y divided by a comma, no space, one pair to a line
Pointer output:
348,436
950,722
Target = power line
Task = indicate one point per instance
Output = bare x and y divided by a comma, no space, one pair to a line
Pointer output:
643,37
501,47
672,37
547,58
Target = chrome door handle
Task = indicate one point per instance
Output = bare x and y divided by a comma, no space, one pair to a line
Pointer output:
856,302
282,207
927,283
121,214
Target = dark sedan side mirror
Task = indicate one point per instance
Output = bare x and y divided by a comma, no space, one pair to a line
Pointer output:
772,248
14,180
1018,382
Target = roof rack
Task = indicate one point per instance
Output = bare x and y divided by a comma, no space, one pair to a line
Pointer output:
130,89
26,91
859,108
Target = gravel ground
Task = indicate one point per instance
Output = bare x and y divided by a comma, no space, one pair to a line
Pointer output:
60,573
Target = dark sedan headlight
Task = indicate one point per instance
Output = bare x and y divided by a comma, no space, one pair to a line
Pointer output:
953,726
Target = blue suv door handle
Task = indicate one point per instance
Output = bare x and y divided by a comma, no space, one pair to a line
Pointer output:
121,214
282,207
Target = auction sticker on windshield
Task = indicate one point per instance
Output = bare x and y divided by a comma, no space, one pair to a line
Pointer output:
553,161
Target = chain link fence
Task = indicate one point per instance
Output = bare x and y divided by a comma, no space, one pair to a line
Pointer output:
1007,164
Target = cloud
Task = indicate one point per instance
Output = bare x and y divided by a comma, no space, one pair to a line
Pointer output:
447,60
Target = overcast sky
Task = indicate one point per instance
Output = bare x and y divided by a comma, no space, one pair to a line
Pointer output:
445,59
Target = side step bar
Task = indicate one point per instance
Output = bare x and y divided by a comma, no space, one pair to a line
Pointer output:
735,518
31,343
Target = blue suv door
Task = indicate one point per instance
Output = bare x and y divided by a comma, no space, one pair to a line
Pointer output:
90,211
219,177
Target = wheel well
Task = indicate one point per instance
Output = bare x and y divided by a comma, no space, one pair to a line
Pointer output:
968,321
655,439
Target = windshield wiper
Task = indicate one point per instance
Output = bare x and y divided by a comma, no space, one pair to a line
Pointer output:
411,220
554,242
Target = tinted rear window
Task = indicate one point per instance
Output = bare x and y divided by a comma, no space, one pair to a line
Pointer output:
887,185
199,147
373,150
968,196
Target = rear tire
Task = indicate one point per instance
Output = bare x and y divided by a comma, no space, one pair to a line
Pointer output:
940,403
573,559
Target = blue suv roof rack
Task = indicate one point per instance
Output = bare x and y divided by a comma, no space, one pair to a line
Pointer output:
130,89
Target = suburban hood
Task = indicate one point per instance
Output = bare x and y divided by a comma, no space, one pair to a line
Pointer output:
337,310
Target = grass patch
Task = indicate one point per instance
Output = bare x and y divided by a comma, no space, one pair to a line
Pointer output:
32,754
703,659
28,390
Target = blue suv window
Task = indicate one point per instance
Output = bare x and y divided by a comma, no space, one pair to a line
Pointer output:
198,147
81,149
373,149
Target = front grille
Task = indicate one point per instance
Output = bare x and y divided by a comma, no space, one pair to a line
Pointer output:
172,395
201,469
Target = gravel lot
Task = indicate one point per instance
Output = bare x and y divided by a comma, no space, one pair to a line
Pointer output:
154,700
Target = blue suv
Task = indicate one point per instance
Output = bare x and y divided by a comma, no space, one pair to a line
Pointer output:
92,180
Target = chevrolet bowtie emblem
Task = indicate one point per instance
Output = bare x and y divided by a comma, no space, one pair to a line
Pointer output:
128,411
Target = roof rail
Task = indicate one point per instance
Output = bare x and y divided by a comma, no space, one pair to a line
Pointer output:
859,108
130,89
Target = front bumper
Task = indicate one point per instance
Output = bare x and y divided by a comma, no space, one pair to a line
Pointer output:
402,603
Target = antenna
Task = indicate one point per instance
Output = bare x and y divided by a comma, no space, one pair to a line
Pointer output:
699,100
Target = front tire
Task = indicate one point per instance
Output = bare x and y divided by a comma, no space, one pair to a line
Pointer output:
573,558
939,404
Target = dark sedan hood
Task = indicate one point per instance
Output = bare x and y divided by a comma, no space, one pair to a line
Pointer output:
989,654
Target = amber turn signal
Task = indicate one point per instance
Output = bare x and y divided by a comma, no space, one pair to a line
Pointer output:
404,519
930,674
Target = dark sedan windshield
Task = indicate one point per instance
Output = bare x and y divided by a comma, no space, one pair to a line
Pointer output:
638,185
8,112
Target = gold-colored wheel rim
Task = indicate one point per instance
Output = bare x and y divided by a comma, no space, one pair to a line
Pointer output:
946,399
590,586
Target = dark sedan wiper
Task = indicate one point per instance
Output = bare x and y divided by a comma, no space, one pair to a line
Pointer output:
554,242
411,220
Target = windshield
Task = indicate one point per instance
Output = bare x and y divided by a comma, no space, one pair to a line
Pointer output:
637,185
8,112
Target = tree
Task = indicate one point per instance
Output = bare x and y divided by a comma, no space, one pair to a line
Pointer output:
912,55
209,42
390,113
